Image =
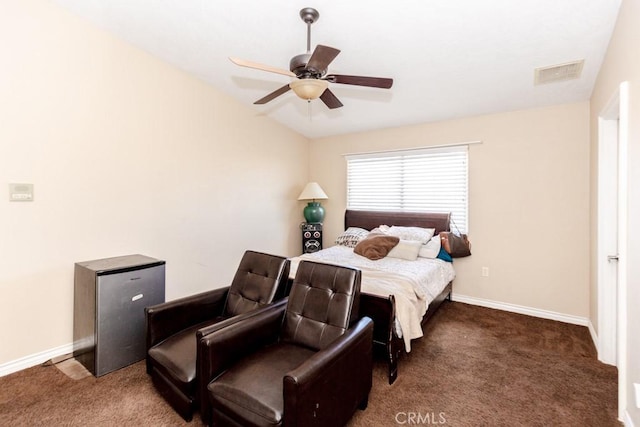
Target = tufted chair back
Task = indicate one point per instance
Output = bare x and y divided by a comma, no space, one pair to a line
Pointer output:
322,305
253,283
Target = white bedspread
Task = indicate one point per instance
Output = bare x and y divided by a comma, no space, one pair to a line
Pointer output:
414,284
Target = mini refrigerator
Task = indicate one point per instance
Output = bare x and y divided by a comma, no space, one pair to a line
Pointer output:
110,296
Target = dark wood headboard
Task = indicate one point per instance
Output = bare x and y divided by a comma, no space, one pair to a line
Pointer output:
371,219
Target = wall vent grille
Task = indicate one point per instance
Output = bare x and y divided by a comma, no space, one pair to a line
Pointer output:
558,73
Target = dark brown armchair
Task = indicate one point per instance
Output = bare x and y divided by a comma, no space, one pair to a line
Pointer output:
172,327
308,363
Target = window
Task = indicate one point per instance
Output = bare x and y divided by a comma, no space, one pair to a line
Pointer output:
428,180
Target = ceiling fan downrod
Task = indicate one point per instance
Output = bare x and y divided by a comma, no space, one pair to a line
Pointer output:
309,15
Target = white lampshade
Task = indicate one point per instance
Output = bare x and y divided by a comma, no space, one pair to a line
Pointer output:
312,191
309,88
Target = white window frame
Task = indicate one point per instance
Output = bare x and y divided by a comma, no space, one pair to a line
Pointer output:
415,180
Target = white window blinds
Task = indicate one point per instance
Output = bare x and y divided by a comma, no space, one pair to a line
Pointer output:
427,180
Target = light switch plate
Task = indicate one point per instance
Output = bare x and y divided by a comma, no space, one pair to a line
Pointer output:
637,387
20,192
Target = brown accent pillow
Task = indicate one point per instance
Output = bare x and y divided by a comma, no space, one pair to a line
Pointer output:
376,246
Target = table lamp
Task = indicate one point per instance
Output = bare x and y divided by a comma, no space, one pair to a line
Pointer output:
313,212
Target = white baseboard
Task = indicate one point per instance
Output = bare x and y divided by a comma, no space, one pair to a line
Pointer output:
594,336
520,309
34,359
628,422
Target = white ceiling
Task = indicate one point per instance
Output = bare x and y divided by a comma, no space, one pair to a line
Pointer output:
448,58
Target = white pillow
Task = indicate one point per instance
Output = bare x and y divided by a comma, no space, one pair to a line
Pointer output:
406,249
351,236
381,229
412,233
431,249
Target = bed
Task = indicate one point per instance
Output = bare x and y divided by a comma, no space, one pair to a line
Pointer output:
398,314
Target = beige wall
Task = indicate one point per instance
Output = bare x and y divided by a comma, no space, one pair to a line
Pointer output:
529,201
622,63
127,155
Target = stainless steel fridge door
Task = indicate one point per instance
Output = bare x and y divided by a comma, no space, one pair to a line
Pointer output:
120,329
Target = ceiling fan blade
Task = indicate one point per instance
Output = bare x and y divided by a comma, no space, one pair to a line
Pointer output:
330,99
379,82
322,57
263,67
276,93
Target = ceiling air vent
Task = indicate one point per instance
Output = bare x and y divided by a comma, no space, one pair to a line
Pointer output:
558,73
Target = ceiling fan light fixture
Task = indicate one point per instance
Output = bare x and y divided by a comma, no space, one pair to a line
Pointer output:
309,89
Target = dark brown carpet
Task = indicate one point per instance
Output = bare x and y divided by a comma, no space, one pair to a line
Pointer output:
474,367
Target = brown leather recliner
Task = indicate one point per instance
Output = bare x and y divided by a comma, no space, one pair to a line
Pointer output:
172,326
306,364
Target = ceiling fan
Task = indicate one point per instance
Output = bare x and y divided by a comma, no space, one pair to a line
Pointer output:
309,71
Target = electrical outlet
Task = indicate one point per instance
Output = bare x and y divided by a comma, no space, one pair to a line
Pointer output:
637,387
485,271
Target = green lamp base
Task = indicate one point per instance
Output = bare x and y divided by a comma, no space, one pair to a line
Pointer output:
313,213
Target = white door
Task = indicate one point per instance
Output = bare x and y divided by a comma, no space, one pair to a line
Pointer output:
612,236
608,236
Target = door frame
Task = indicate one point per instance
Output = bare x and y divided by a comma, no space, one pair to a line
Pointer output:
613,126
